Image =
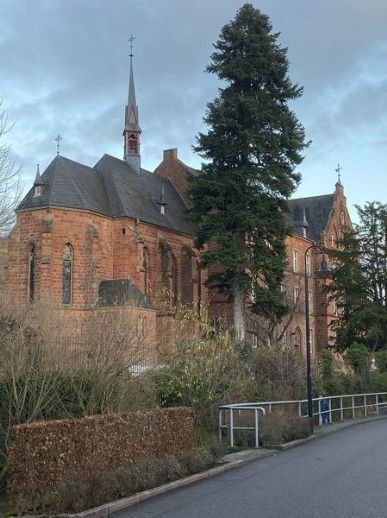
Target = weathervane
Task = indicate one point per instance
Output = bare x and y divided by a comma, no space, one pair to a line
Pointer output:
338,169
131,40
57,140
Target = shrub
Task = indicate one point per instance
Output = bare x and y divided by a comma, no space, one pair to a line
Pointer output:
77,495
279,373
206,373
279,429
358,356
381,360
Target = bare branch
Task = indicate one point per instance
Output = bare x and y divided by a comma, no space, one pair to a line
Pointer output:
10,186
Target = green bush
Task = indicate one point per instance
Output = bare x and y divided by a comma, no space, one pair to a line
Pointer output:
358,356
381,360
206,374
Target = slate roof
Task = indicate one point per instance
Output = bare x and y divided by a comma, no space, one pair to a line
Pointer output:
316,210
136,196
112,188
69,184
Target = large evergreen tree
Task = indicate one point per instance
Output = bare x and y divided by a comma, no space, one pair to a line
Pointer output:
359,278
253,144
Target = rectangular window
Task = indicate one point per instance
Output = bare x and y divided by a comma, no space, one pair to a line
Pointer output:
308,265
310,299
296,296
295,261
311,340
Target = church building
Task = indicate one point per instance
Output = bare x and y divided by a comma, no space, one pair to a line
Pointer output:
116,237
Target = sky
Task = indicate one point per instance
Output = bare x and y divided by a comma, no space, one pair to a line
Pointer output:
64,69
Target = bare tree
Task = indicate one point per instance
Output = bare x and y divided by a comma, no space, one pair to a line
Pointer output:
10,188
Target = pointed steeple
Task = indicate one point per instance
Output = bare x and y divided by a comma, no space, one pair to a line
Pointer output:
38,183
132,130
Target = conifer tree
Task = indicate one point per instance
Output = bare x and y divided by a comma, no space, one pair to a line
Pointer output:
359,281
253,144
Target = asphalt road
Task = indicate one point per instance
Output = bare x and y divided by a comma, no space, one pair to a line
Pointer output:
340,475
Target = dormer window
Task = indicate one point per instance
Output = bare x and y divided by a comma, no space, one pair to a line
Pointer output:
38,190
38,184
161,202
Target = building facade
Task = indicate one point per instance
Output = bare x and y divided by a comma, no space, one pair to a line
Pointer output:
117,236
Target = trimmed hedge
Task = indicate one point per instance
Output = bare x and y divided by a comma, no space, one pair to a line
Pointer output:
44,454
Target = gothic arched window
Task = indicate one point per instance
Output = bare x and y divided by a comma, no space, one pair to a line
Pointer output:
187,295
297,339
173,280
145,269
31,273
342,219
67,274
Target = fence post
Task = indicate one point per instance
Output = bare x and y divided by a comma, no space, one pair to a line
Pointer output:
220,425
319,413
377,404
256,428
341,410
330,410
353,407
299,409
231,429
365,406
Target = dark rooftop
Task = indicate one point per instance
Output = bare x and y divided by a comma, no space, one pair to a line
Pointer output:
316,211
111,188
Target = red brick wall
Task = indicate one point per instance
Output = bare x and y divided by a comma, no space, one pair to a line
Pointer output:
103,249
171,167
3,262
50,229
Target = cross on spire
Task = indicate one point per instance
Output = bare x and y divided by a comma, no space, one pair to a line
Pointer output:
338,169
131,40
57,139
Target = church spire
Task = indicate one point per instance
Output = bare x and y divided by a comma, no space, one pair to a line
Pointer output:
132,130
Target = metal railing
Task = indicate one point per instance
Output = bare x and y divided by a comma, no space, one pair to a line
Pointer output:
237,417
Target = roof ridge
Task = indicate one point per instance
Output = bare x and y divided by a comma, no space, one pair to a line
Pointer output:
312,197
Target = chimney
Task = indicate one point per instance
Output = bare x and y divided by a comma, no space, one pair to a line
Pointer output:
170,154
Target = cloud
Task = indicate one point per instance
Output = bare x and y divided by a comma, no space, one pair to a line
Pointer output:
64,68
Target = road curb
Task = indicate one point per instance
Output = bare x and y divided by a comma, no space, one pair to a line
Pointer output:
106,510
330,430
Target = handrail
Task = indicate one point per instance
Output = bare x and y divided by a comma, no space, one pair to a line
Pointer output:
371,400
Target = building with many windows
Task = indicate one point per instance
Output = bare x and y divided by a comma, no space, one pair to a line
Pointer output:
117,236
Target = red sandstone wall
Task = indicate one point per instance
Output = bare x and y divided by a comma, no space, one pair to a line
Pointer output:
3,262
50,229
171,167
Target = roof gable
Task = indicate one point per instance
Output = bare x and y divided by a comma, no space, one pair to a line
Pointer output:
316,210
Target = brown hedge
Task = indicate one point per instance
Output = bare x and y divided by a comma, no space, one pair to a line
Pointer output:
44,454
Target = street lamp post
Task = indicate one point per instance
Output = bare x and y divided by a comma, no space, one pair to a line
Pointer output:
323,268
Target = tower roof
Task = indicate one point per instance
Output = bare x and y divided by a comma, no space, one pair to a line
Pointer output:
131,110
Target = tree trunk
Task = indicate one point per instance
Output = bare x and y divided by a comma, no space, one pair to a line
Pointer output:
239,313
